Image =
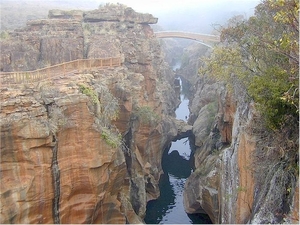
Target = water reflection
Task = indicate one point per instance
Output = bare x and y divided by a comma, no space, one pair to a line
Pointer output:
168,208
157,209
176,165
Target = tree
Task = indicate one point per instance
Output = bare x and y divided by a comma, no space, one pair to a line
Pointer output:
261,53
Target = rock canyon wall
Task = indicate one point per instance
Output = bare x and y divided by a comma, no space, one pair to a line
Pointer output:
239,174
85,147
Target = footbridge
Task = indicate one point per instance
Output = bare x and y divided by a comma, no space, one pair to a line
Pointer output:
205,39
63,69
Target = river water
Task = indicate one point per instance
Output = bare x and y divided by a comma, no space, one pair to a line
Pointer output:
168,208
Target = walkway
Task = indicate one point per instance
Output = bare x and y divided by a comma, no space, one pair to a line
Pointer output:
63,69
203,38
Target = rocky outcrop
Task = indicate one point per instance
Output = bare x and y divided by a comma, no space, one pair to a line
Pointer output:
69,35
47,123
62,14
239,175
113,13
184,130
190,63
236,180
85,147
42,43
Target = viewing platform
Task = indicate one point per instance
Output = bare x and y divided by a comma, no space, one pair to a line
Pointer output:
63,69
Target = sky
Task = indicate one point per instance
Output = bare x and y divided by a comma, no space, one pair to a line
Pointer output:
191,15
159,6
188,15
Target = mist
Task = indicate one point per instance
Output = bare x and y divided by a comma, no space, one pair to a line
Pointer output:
192,15
185,15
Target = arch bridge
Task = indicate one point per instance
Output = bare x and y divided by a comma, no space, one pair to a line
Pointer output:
205,39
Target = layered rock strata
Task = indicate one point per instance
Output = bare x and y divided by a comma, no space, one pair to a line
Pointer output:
239,174
85,147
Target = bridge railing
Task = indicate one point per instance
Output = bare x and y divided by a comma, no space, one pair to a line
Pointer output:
20,77
188,35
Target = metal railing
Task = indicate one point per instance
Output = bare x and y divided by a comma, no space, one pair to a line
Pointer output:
20,77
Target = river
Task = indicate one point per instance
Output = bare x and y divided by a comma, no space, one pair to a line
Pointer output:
168,208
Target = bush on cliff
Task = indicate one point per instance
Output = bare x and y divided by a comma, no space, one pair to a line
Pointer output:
146,115
107,109
89,92
111,137
107,105
259,58
261,54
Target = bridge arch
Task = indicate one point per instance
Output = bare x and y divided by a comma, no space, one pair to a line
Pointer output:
204,39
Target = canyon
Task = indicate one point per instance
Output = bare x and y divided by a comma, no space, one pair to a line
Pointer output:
235,179
62,157
87,147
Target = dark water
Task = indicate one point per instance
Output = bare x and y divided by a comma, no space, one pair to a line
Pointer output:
168,208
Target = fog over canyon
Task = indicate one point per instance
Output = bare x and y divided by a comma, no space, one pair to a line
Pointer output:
103,122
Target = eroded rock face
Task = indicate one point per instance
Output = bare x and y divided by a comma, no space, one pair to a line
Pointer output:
60,161
109,31
96,183
232,181
115,13
239,175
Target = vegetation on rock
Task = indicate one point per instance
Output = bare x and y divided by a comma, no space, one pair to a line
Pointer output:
212,109
261,53
111,138
146,115
260,57
107,109
89,92
4,35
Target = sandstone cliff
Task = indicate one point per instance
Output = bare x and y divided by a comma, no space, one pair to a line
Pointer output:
86,147
241,174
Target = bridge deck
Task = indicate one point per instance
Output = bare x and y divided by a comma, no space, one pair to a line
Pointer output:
188,35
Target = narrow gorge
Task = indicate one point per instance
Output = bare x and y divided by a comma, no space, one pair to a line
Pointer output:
93,145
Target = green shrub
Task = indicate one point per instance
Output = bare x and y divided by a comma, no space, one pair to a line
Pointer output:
109,104
146,115
4,35
111,138
260,57
212,109
89,92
